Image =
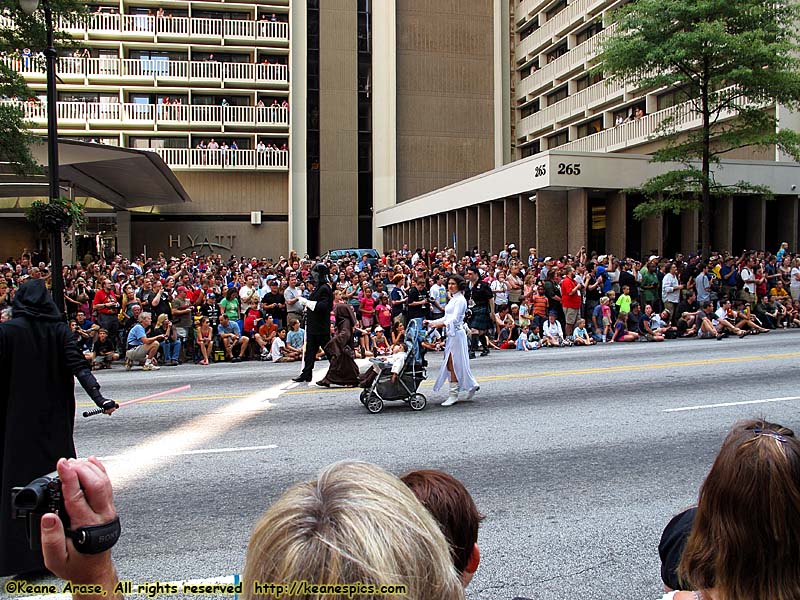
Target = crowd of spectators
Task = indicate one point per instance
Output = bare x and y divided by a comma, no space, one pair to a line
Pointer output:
193,308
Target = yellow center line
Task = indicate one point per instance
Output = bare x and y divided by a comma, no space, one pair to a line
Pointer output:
507,377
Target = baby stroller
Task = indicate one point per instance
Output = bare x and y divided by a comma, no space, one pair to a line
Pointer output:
381,388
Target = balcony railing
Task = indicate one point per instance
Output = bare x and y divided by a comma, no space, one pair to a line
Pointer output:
574,105
153,27
640,131
573,14
192,158
569,61
71,113
178,71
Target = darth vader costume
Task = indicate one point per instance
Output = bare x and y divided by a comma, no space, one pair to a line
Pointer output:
38,359
318,308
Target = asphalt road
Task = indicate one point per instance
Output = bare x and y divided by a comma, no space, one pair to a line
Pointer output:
569,453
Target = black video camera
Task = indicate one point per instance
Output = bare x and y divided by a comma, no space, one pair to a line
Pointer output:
40,496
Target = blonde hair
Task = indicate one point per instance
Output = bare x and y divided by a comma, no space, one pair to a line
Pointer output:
161,318
355,523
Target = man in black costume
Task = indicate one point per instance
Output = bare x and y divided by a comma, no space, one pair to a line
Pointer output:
38,358
318,308
481,297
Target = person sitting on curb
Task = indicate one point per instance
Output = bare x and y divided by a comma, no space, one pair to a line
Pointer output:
232,339
140,347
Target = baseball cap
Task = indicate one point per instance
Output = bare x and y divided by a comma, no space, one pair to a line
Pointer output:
671,546
181,289
654,257
512,247
378,328
546,258
211,295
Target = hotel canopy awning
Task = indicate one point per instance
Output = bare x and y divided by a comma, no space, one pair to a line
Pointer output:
122,177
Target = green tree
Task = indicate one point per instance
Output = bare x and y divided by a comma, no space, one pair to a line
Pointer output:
19,31
725,57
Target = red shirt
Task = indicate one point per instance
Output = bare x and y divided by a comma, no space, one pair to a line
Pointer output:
569,300
100,297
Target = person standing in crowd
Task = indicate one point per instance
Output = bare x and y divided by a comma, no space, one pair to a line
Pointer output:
343,369
671,290
481,297
106,305
37,408
455,366
318,307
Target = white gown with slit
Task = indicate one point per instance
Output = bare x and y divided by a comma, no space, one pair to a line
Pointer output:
456,345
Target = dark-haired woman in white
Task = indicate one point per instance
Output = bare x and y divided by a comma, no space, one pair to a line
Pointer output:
455,367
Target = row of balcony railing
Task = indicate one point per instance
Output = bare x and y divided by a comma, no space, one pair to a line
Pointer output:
116,113
267,159
165,27
125,70
682,117
576,12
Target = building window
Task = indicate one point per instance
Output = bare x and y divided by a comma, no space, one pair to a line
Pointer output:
587,80
630,113
558,139
559,50
671,98
528,69
528,28
555,9
559,94
529,149
529,109
589,31
593,126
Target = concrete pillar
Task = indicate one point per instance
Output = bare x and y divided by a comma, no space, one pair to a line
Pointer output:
527,225
756,211
496,227
551,223
425,242
461,230
484,226
616,224
788,221
472,227
511,213
417,233
124,233
577,220
653,236
722,222
690,224
442,229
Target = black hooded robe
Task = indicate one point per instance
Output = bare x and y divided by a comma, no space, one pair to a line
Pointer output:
38,358
343,369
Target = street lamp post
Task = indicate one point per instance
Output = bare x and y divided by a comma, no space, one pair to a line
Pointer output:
56,258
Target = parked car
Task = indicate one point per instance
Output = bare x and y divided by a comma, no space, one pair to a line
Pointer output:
354,254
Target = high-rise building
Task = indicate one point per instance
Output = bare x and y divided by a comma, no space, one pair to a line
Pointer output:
359,124
567,146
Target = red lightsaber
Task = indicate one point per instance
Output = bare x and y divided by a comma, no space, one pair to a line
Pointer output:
97,411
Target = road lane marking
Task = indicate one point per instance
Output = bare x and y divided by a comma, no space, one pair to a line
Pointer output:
294,390
193,452
727,404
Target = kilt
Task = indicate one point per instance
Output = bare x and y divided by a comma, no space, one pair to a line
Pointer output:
481,318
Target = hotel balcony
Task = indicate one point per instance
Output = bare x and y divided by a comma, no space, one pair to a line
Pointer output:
177,29
551,74
576,13
682,117
182,159
131,71
157,116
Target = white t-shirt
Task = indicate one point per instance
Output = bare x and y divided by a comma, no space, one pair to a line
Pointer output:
747,275
793,277
277,345
501,292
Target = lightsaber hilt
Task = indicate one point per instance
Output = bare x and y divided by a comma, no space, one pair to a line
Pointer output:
94,411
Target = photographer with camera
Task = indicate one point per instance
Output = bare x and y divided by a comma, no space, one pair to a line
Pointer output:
88,503
38,360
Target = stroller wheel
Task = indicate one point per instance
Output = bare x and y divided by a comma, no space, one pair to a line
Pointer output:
417,402
364,397
374,405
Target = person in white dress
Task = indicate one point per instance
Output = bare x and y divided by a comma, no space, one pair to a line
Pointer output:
455,367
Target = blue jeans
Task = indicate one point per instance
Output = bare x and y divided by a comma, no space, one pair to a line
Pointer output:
172,350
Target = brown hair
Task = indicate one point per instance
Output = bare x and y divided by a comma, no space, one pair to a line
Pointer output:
745,541
453,508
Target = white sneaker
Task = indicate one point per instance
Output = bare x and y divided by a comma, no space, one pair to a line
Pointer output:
150,366
452,398
472,392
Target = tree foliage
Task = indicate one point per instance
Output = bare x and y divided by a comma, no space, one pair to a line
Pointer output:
731,61
17,32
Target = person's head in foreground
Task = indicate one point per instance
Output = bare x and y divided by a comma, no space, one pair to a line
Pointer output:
355,523
452,506
745,541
